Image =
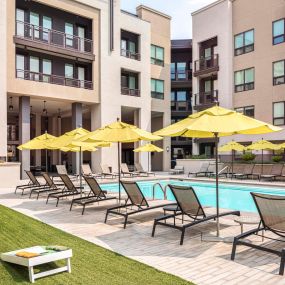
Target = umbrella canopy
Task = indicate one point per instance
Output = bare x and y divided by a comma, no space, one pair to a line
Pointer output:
263,145
216,122
119,132
40,142
232,145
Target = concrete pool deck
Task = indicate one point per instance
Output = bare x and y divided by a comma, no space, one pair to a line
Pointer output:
197,261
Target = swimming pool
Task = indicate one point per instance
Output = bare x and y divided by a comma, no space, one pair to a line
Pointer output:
235,197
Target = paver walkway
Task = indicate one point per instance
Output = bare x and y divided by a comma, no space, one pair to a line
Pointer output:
198,261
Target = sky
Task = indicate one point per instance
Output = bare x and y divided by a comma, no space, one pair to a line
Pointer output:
181,24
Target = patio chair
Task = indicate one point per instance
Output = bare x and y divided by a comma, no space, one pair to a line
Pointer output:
125,171
135,199
52,187
203,171
282,175
244,171
61,169
69,190
190,207
256,172
178,169
106,173
32,184
141,171
272,214
87,171
96,194
222,170
276,171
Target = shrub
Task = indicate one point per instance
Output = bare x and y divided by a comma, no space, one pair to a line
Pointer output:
248,156
201,156
276,158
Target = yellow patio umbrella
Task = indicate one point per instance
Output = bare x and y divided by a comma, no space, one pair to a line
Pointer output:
216,122
39,143
119,132
148,148
232,146
263,145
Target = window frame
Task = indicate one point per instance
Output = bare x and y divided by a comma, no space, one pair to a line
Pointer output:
243,110
278,77
278,118
246,86
282,35
244,47
155,60
155,94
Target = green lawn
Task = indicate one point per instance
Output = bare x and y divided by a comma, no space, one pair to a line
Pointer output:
91,264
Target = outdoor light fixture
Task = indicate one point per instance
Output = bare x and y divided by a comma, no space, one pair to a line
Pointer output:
59,115
44,109
167,148
11,107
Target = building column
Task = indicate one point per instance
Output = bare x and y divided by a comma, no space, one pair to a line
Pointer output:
166,144
76,123
24,133
137,155
38,158
54,132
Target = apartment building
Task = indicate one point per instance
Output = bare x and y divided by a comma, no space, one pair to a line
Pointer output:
83,63
181,94
239,62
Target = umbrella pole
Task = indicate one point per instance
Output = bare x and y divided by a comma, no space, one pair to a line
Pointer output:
232,164
261,161
46,161
119,171
217,184
148,168
80,174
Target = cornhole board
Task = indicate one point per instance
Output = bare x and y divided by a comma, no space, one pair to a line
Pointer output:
41,259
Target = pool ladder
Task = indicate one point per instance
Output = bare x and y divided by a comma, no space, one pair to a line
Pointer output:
164,189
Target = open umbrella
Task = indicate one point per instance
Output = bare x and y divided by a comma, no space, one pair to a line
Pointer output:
39,143
148,148
232,146
216,122
119,132
263,145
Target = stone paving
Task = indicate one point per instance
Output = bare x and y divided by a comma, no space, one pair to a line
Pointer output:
197,261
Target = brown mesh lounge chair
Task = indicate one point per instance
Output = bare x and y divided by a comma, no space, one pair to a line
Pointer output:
190,207
245,170
135,199
256,172
203,171
276,171
33,183
106,173
96,194
87,171
125,171
69,190
141,171
282,175
61,169
52,187
222,170
271,209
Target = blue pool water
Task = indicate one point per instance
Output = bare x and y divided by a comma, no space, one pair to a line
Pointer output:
235,197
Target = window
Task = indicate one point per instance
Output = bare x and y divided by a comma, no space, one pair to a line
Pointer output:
244,80
46,27
248,111
278,72
173,71
35,21
278,31
68,70
181,95
157,55
81,37
34,68
278,114
81,76
181,70
20,66
69,34
244,42
157,89
46,70
20,27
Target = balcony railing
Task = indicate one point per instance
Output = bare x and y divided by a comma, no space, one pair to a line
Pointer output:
206,64
53,79
181,106
130,54
53,38
206,98
182,75
130,91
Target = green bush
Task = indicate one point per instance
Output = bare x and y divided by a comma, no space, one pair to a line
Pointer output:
248,156
201,156
276,158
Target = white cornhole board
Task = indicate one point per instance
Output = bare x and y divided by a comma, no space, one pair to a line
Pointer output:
42,259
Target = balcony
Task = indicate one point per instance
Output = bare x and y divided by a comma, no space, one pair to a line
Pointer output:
130,54
130,92
204,100
206,65
181,106
53,79
53,41
182,75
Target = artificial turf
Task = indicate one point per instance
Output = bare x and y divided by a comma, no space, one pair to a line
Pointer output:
91,264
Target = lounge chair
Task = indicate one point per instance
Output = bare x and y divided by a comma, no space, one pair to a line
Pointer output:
32,184
96,194
125,171
243,170
141,171
256,172
135,199
222,171
87,171
282,175
52,187
190,207
271,209
106,173
203,171
61,169
69,190
276,171
178,169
